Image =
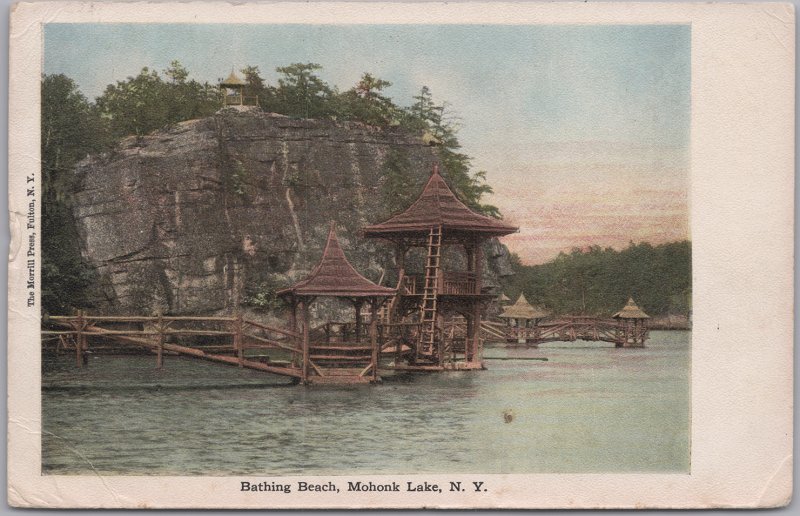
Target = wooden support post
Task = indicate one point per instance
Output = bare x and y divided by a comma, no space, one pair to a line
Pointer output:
373,337
304,310
476,338
293,322
469,336
79,340
469,250
478,267
238,342
440,333
160,349
398,346
357,304
400,260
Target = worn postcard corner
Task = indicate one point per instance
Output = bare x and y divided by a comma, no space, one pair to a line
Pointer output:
401,256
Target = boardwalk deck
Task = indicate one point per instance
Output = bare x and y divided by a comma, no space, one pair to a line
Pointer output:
153,339
571,329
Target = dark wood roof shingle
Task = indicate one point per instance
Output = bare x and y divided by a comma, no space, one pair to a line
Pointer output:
334,276
437,205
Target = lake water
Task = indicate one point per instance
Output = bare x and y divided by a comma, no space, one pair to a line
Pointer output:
588,408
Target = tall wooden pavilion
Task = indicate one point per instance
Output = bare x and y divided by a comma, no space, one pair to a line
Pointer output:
334,276
632,330
437,222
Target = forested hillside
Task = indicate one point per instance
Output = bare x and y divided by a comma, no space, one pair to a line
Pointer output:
599,281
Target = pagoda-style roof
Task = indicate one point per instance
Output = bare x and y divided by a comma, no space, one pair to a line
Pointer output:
631,311
436,206
523,310
334,276
503,298
233,81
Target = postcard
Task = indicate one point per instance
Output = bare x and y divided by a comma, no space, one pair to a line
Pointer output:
383,255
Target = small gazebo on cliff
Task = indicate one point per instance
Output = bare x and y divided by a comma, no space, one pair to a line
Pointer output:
335,277
232,90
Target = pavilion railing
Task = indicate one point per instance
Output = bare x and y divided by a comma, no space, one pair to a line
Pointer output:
448,283
240,100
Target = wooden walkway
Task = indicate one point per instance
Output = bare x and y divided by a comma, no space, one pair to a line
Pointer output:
222,340
619,332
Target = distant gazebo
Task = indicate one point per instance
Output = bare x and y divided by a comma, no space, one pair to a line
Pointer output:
632,330
523,313
335,277
522,319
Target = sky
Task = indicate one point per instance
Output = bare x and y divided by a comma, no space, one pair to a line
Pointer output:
583,130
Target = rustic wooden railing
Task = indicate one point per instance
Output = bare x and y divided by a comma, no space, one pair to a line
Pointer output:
161,334
447,283
621,332
240,100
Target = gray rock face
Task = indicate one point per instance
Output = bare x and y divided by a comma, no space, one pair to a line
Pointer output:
203,217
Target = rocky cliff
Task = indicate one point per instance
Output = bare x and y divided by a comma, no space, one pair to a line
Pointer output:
218,212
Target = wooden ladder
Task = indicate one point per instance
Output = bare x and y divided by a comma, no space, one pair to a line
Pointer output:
429,307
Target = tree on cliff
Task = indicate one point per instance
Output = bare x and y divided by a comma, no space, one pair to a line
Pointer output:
436,119
257,87
366,103
71,129
301,93
142,104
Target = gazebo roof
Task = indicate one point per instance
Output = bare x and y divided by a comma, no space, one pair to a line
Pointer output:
503,298
437,205
523,310
233,81
631,311
334,276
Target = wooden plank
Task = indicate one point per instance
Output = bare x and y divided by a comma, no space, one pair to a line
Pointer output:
341,358
273,343
327,347
317,369
282,331
183,350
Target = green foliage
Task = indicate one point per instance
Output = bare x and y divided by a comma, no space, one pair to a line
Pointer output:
238,178
142,104
66,279
437,121
400,185
256,87
366,103
262,296
599,281
301,93
71,129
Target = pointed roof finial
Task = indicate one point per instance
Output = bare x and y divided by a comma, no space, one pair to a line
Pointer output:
524,310
233,80
437,205
631,311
